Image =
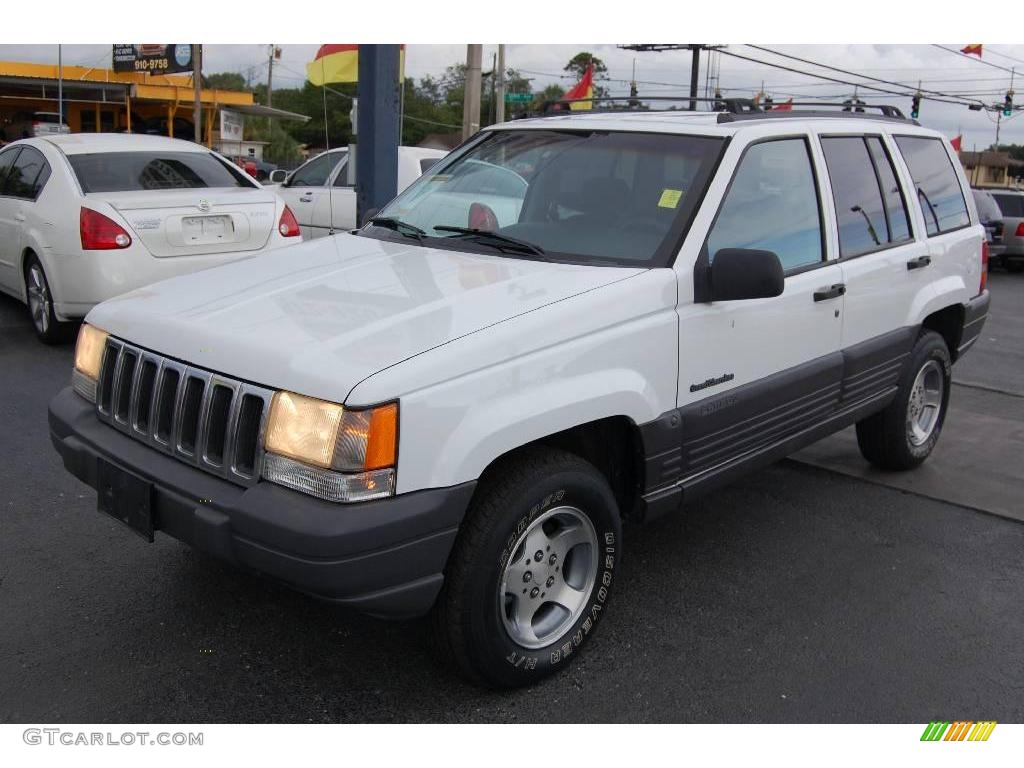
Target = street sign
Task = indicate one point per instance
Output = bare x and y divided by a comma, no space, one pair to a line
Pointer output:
519,98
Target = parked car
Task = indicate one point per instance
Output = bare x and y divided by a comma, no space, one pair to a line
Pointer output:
452,411
258,169
321,196
1011,203
992,220
26,125
86,217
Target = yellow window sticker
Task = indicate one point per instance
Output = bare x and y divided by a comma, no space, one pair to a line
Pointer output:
670,198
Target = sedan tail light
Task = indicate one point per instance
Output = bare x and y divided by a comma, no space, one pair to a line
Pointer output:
100,233
1020,230
288,226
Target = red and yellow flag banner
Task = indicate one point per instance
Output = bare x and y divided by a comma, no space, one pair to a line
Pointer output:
974,49
339,63
584,89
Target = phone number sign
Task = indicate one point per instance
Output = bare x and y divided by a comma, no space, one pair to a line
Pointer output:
156,58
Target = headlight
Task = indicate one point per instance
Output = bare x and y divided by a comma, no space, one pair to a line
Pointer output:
323,449
88,359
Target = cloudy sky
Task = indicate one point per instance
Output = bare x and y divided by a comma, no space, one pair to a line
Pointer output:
668,73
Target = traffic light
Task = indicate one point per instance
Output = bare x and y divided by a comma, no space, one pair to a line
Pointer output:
1008,104
915,106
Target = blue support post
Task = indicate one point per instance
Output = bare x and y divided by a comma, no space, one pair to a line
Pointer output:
377,127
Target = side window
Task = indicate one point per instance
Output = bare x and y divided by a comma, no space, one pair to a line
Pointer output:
6,161
314,173
859,210
772,204
28,175
938,188
341,180
869,206
895,204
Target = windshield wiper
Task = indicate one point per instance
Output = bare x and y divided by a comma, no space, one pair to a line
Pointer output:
494,238
397,225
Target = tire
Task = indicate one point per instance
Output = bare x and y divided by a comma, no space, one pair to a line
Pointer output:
493,580
903,435
1014,266
40,304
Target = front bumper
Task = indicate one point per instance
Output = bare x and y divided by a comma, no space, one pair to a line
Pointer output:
975,312
382,557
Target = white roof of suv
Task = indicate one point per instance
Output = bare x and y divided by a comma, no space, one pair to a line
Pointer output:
714,123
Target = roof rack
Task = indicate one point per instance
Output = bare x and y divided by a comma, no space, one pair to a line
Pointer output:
730,106
729,109
849,109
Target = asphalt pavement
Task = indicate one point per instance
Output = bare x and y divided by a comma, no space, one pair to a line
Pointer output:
795,595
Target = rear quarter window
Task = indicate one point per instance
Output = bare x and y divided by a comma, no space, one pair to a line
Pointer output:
937,186
144,171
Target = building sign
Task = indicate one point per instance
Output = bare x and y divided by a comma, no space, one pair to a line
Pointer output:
232,125
158,59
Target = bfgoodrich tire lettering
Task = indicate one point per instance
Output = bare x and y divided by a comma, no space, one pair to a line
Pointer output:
468,622
886,439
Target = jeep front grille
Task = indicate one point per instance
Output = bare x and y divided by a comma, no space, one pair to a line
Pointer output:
201,418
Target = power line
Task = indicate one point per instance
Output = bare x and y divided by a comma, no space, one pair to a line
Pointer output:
865,86
853,74
970,58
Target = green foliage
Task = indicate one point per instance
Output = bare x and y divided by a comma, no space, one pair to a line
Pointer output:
430,105
578,64
225,81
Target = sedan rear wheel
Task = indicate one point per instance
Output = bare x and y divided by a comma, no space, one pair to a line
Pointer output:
40,304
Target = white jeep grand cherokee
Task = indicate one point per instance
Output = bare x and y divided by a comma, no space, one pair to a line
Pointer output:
568,322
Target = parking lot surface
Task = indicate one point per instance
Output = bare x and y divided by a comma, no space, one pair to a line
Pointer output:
796,595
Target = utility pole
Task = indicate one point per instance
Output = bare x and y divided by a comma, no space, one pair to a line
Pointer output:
270,77
60,85
197,89
471,92
499,105
694,76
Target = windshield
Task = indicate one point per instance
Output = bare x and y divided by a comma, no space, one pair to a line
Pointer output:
135,171
616,198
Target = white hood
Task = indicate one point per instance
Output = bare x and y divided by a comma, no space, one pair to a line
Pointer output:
319,317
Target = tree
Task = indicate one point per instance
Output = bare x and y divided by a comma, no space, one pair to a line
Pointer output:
225,81
578,64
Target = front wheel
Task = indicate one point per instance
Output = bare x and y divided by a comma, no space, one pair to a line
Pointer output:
904,434
531,572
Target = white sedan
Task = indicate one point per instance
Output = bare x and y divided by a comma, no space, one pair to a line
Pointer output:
323,199
86,217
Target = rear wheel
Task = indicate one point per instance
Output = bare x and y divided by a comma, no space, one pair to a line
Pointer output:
531,572
40,304
1016,265
904,434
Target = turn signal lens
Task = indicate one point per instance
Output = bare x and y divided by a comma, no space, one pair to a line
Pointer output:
303,428
89,350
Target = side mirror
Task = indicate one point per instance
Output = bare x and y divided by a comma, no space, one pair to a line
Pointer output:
278,176
743,273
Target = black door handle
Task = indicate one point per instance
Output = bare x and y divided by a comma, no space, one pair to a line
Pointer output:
920,261
832,292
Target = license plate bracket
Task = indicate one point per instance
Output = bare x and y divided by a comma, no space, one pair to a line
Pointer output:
126,498
200,230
